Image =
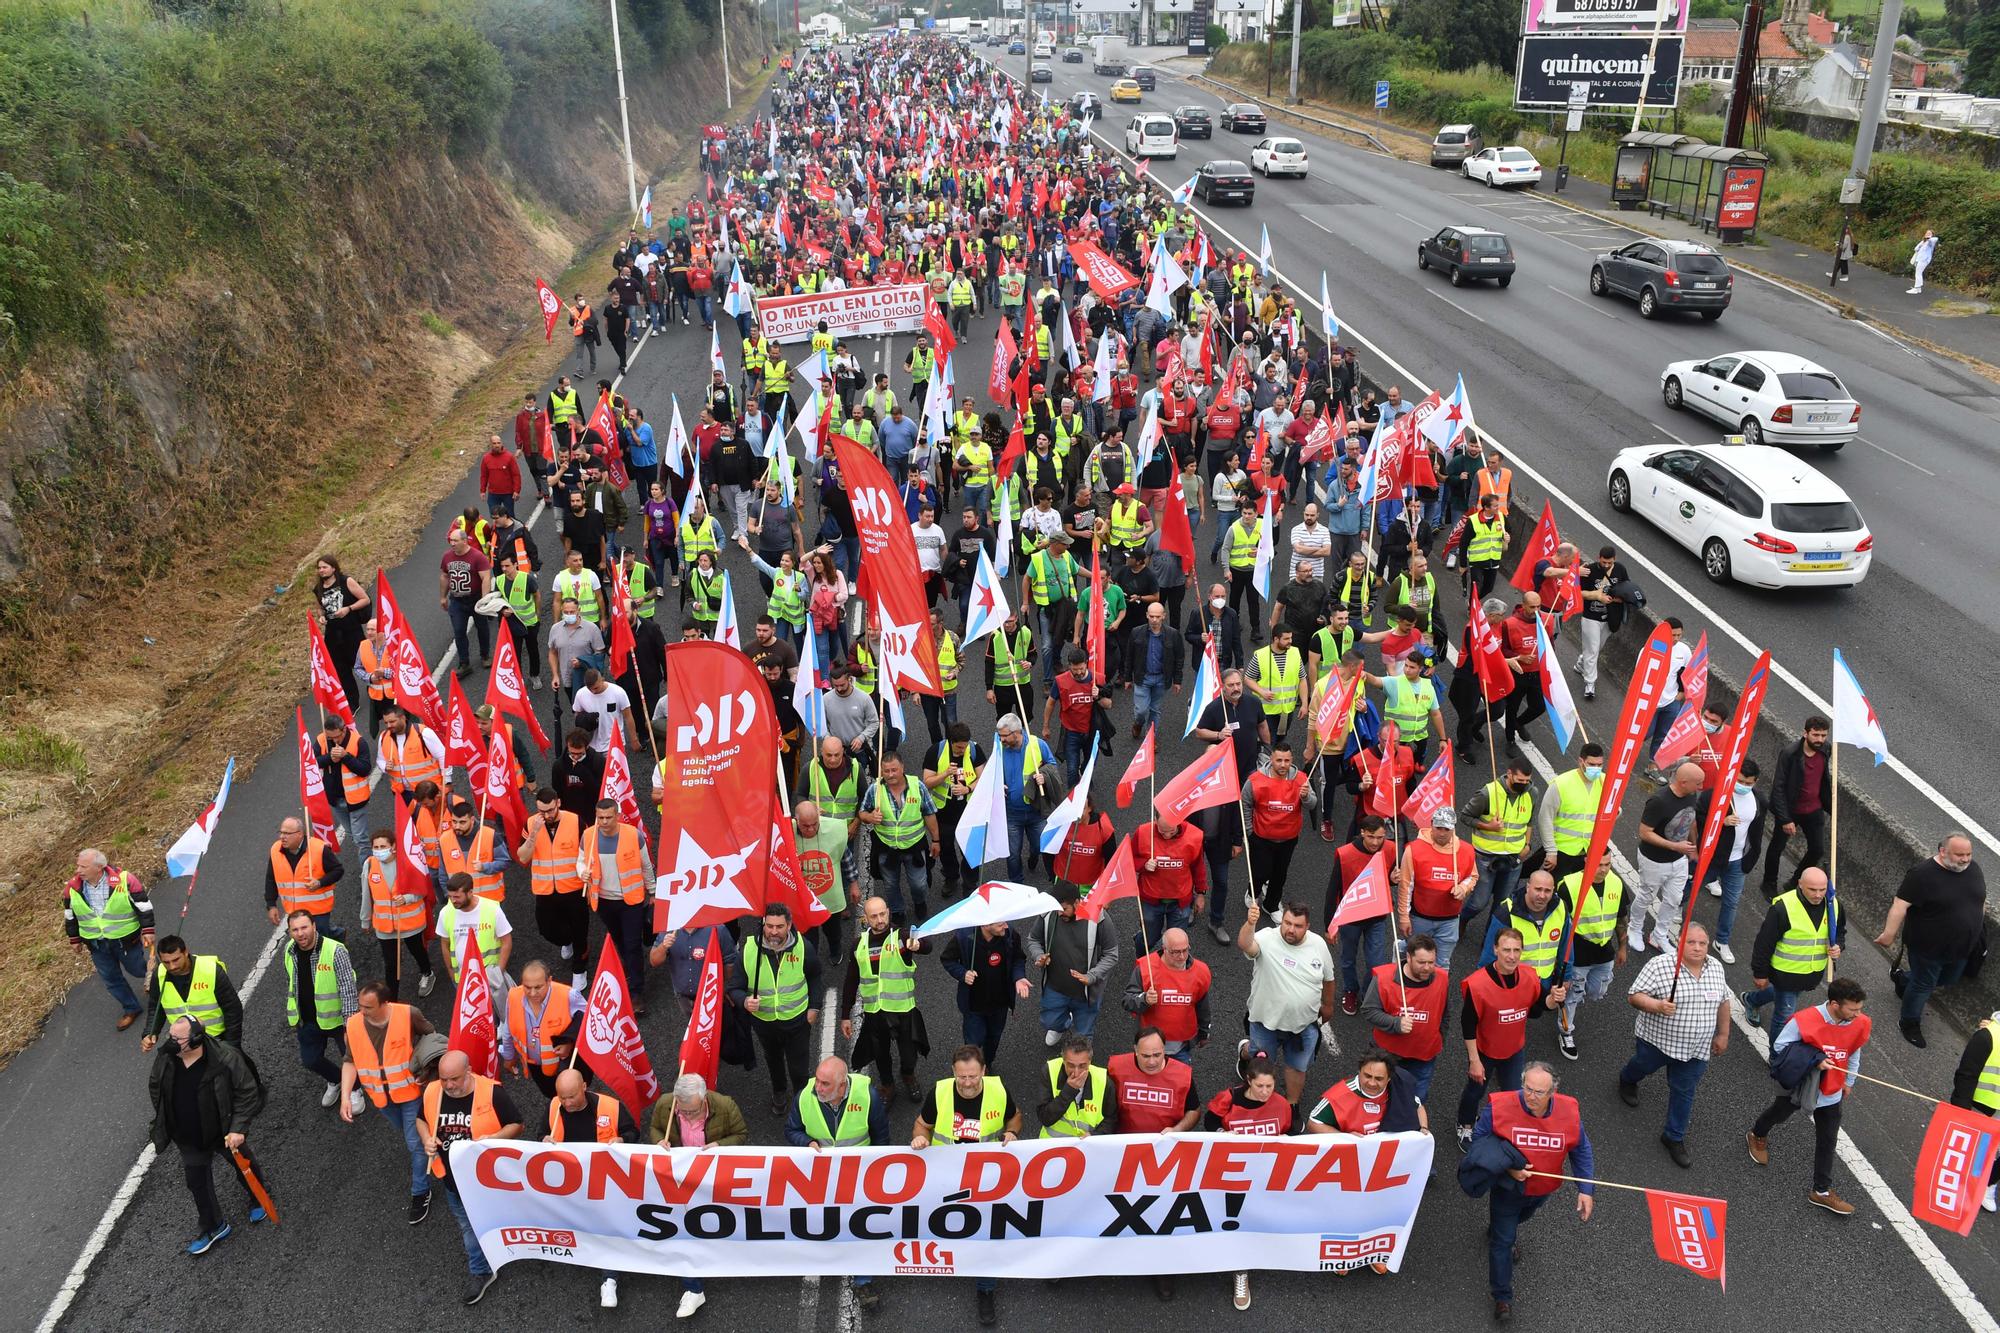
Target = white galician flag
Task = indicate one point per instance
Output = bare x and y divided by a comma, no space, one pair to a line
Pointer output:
1854,720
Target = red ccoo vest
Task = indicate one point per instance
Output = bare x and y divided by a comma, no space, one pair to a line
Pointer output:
1503,1011
1149,1103
1275,805
1841,1042
1544,1140
1425,1004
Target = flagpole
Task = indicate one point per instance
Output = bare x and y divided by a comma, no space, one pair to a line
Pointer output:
1867,1078
1832,852
1249,869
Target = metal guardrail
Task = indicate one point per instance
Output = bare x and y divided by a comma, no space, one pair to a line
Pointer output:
1281,109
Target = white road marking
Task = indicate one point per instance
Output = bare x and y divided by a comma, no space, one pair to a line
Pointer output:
1317,223
829,1025
1455,306
1669,434
1898,457
1572,296
1412,221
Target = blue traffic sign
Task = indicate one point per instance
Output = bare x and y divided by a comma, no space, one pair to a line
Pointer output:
1381,94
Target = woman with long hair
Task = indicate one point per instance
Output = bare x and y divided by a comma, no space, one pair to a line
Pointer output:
343,610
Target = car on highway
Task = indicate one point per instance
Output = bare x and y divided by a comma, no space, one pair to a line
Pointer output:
1279,157
1219,182
1665,275
1243,118
1769,397
1040,73
1455,143
1124,90
1754,514
1085,104
1146,77
1503,166
1152,135
1072,55
1194,122
1017,48
1468,254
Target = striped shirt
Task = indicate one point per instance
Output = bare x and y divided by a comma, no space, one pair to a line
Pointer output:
1689,1032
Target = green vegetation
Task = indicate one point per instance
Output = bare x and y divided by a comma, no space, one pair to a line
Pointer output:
133,138
32,750
437,324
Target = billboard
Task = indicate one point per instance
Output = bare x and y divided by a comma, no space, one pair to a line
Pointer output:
1611,65
1605,15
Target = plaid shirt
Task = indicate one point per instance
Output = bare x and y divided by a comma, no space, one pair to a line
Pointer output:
1689,1032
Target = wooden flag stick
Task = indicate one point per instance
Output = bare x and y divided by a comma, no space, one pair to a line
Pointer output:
1583,1180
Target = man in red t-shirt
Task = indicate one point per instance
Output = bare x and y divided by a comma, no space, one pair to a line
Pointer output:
1439,874
1169,991
1076,699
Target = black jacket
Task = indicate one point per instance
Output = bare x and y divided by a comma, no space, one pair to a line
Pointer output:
958,956
1228,638
1787,780
231,1094
1135,652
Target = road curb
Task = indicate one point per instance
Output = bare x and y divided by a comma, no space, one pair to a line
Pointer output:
1293,113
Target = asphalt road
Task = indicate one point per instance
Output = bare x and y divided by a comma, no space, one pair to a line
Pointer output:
73,1108
1564,381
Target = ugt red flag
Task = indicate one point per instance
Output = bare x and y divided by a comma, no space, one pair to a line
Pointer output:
610,1042
505,694
1365,897
416,692
622,642
1635,718
701,1044
1952,1167
1119,879
1095,631
1688,1232
1139,769
502,794
1438,789
890,585
462,747
326,688
722,755
616,785
787,883
312,789
1209,781
412,863
551,305
998,387
1489,655
472,1029
1542,544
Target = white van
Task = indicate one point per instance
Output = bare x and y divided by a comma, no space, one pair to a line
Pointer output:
1152,136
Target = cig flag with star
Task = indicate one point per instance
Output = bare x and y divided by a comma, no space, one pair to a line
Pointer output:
721,753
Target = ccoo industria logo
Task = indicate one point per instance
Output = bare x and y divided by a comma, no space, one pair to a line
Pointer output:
1339,1254
924,1258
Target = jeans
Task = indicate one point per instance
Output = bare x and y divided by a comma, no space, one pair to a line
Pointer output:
1661,884
1421,1071
1826,1134
403,1115
475,1258
1682,1076
1369,939
1443,930
1590,982
1024,841
909,867
978,497
1066,1013
353,819
1732,891
1927,973
1783,1003
312,1049
1295,1049
1506,1209
1158,916
1499,872
983,1031
114,958
1662,720
1219,832
460,610
1501,1076
1147,696
1076,748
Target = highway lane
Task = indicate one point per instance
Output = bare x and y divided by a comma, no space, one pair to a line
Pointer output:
1566,381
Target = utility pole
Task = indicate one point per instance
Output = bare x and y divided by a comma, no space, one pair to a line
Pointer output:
1743,85
1881,73
624,116
1298,7
728,79
1646,70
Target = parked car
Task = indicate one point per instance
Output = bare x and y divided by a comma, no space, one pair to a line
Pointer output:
1754,514
1146,77
1219,182
1455,143
1124,90
1503,166
1072,55
1279,157
1665,275
1039,73
1243,118
1770,397
1194,122
1468,254
1152,135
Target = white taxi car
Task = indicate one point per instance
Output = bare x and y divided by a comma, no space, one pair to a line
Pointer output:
1767,397
1753,513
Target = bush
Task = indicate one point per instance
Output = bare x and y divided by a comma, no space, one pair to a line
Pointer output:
1218,37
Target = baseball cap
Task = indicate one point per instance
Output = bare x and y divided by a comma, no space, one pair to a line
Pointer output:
1444,817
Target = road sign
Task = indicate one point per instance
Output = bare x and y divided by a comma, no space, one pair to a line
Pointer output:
1851,189
1579,95
1575,121
1381,94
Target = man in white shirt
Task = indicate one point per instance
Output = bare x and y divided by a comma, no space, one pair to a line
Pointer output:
605,709
1291,989
1311,542
1671,700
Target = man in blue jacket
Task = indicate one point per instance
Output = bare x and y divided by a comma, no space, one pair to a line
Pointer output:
990,966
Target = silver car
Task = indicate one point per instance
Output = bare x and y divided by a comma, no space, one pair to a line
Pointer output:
1455,143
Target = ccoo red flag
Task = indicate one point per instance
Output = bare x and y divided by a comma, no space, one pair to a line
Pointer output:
943,340
997,386
1688,1232
1953,1165
1095,631
889,583
326,688
1489,656
1175,535
1365,897
701,1044
506,694
1542,544
551,305
472,1027
312,789
1139,769
1438,789
416,693
1119,879
1209,781
610,1042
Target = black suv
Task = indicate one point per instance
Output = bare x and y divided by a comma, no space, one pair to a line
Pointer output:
1145,77
1665,275
1193,122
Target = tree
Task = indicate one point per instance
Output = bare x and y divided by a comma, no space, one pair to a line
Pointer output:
1982,53
1464,33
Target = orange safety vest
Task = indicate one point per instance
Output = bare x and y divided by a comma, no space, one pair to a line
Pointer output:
521,561
631,882
427,834
579,315
553,863
555,1022
1503,489
371,662
386,1075
485,1124
457,861
299,888
607,1119
409,761
390,920
354,788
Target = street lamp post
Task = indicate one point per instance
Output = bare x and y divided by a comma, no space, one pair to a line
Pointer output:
624,116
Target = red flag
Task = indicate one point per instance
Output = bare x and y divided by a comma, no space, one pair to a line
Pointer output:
505,693
412,865
1952,1167
1336,710
326,689
1542,544
622,642
890,587
1144,168
1741,728
1139,769
1175,534
610,1042
1688,1232
1103,273
1380,766
1209,781
1489,657
1095,631
416,692
312,789
721,754
1016,450
462,747
1642,700
606,427
551,305
1365,897
473,1032
502,793
939,327
1437,790
701,1044
617,786
548,437
1687,734
787,883
1119,879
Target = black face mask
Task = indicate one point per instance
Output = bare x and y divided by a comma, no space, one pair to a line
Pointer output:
1519,788
171,1045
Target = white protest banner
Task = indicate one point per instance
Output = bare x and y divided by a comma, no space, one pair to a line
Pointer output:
1044,1208
849,314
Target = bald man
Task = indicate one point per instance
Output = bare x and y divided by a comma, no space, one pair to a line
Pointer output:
881,982
840,1110
577,1117
463,1105
1669,828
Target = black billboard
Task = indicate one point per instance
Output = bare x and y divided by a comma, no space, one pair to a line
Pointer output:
1611,65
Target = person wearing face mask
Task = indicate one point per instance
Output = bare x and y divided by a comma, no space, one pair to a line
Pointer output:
1569,812
1743,841
1941,908
1215,620
396,914
204,1094
576,645
1499,818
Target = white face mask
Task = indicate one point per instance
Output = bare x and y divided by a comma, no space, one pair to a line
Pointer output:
384,854
1218,602
570,617
1745,788
1710,727
1592,772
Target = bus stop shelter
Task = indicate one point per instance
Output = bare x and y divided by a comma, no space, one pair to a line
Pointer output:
1679,176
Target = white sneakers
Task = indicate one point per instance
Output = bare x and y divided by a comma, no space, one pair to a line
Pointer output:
427,983
567,952
1992,1202
1724,952
607,1293
690,1302
1050,1036
356,1103
330,1096
1715,889
1242,1291
579,981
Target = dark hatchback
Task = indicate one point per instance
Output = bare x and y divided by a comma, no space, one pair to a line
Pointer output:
1220,182
1193,122
1468,254
1243,118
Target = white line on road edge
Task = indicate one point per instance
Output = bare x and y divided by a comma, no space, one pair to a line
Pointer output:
1572,296
1669,434
1898,457
1455,305
809,1285
121,1199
